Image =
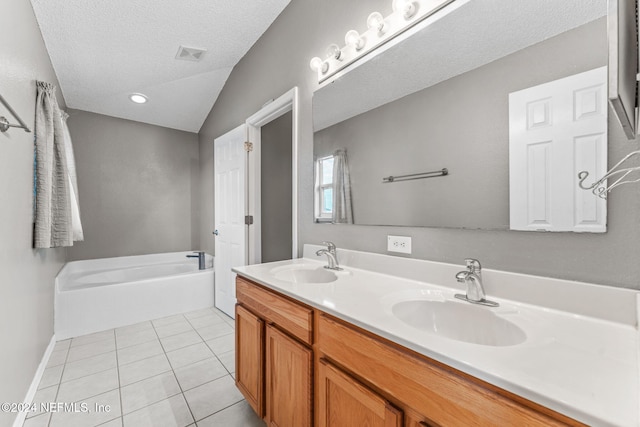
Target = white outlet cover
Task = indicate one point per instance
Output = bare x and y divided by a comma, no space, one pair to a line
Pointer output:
401,244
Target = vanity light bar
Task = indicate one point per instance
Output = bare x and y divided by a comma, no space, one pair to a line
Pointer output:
406,14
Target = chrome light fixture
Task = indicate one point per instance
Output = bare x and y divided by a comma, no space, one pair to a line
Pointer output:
406,14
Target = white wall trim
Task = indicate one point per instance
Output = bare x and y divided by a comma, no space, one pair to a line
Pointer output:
33,388
287,102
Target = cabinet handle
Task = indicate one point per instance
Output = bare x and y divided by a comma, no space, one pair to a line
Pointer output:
424,424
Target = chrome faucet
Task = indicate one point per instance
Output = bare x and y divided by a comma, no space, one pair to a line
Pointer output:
472,277
201,259
332,257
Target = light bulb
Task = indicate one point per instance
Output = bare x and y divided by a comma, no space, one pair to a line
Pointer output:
318,65
333,51
138,98
406,7
352,38
376,21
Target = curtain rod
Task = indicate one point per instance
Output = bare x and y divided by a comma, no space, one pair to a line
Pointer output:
4,123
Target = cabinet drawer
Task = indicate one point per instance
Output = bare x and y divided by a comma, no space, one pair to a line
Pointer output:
445,395
293,317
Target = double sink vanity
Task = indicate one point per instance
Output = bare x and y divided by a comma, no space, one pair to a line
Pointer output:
384,341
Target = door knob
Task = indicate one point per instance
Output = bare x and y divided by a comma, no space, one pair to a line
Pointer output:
215,232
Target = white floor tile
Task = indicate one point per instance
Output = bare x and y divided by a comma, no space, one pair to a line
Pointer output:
128,339
188,355
57,358
89,386
168,320
139,352
143,369
51,376
211,397
198,313
181,340
41,420
238,415
162,372
136,327
62,345
113,423
222,344
173,328
88,366
44,395
91,338
149,391
206,320
93,349
228,359
93,417
172,412
214,331
200,373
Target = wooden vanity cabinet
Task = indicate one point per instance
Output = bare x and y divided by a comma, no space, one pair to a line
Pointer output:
274,358
288,380
249,358
360,378
344,402
429,392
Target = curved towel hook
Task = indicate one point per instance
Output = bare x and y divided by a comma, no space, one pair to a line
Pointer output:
599,188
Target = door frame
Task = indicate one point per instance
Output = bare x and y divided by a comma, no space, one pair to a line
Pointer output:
269,112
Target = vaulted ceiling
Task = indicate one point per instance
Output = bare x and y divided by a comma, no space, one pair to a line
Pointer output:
103,51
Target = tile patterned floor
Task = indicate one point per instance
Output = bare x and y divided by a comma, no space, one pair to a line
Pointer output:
175,372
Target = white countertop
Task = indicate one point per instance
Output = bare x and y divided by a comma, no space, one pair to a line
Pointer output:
585,367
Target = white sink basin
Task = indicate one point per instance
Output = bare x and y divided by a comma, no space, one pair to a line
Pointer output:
459,321
304,273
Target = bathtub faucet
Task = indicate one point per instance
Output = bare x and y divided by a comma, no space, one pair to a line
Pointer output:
200,256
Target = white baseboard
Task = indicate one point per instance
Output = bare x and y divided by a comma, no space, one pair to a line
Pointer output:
33,388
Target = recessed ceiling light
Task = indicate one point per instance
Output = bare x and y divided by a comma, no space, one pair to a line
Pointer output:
138,98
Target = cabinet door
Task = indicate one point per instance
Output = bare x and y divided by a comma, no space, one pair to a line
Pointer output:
288,381
250,358
344,402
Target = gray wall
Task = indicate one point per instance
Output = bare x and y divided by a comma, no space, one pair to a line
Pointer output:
26,275
279,61
275,171
137,186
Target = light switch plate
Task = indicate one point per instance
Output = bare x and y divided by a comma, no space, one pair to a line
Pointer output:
400,244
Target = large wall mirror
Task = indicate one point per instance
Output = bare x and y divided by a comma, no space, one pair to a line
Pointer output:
440,99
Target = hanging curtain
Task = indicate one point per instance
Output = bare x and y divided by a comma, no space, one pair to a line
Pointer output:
53,222
342,212
76,223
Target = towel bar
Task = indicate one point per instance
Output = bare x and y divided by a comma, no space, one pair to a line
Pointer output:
4,123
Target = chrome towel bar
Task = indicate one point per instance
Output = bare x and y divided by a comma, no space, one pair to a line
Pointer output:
412,176
4,123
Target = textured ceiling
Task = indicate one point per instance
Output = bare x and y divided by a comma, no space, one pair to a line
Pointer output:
478,32
102,51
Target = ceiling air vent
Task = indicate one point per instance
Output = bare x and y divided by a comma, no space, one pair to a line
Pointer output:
190,53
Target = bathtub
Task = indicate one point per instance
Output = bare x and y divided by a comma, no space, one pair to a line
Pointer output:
95,295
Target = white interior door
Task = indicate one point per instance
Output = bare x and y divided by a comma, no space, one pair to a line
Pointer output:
230,195
556,130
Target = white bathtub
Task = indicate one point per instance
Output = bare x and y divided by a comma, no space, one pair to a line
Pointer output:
95,295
